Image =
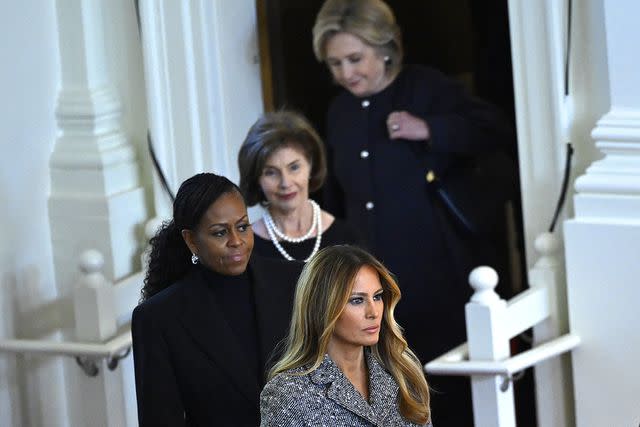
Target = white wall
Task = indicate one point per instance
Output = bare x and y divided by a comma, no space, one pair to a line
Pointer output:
31,389
603,238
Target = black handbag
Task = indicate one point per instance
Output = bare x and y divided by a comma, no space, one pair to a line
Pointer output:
474,190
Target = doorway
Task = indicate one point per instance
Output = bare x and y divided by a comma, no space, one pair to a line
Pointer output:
466,39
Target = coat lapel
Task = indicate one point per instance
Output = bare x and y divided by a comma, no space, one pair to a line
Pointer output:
383,389
341,391
204,322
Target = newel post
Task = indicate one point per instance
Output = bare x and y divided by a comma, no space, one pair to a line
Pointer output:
101,397
553,379
93,300
488,341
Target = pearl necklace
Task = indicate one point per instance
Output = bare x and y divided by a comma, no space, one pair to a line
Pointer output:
273,230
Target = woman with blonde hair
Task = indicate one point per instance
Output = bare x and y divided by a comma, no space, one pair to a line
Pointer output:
346,361
403,143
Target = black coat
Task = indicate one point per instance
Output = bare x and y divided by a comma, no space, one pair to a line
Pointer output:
190,368
378,185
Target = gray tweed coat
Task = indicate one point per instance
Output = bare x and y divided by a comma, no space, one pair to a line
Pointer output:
325,397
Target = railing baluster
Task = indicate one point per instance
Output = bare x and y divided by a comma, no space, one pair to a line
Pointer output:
488,340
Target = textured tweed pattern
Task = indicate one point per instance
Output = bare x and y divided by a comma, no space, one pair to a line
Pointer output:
325,397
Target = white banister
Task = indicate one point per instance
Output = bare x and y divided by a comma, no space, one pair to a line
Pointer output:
111,349
102,313
527,308
456,362
102,338
486,315
492,322
96,321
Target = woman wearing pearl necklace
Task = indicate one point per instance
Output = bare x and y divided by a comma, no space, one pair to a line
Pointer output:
281,161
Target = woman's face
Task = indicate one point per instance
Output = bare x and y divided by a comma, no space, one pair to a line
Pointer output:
223,240
285,179
355,65
359,324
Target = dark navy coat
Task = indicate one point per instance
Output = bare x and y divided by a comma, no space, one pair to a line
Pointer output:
379,186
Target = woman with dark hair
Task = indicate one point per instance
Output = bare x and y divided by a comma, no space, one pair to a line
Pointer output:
211,313
281,161
346,362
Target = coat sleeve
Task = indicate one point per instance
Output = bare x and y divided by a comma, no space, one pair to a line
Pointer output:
278,407
332,193
458,122
158,396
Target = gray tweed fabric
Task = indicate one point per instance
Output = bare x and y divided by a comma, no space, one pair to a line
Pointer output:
325,397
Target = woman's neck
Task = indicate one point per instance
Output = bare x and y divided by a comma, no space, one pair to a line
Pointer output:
353,365
295,222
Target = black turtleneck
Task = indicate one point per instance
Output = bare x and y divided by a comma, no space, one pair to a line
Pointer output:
235,297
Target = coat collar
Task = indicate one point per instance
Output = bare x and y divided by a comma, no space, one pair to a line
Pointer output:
205,323
383,390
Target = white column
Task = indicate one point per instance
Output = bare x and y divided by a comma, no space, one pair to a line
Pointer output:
537,32
203,85
96,200
488,340
603,241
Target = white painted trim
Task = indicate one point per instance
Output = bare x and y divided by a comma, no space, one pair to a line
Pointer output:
456,362
537,75
111,348
203,88
544,121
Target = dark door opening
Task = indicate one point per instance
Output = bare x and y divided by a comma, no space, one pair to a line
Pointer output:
466,39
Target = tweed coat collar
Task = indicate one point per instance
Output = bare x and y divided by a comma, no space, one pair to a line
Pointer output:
383,390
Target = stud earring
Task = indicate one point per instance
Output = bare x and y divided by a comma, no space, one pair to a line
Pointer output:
387,59
194,259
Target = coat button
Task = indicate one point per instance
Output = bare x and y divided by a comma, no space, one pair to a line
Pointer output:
430,176
369,205
364,154
365,103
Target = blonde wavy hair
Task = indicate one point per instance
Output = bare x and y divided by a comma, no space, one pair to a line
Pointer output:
322,293
370,20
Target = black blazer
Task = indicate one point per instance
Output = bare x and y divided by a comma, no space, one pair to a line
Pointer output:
189,367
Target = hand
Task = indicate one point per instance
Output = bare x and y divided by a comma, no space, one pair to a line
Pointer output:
402,125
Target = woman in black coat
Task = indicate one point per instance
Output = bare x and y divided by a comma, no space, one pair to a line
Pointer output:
212,315
392,135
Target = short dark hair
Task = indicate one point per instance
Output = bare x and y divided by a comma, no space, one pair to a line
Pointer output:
271,132
170,258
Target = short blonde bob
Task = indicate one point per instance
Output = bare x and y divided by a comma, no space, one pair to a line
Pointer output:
322,293
370,20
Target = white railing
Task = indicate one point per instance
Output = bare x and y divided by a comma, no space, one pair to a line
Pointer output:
492,322
102,316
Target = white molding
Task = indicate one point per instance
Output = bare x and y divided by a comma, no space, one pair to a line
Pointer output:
603,240
544,121
615,177
203,87
540,110
96,197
